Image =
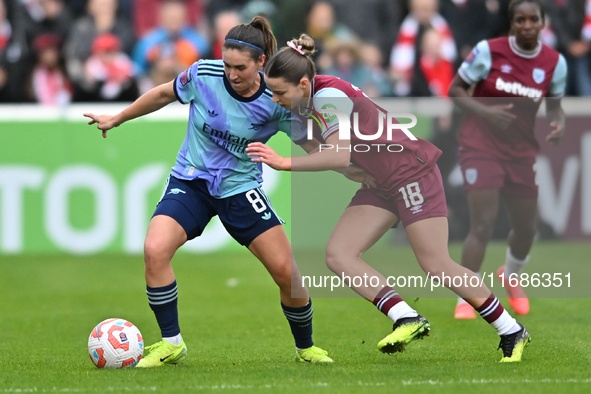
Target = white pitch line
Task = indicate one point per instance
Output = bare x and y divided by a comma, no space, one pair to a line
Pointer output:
221,387
437,382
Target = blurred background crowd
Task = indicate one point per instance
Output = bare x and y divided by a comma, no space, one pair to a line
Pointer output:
55,51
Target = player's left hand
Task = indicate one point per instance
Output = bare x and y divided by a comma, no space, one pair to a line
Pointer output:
556,133
261,153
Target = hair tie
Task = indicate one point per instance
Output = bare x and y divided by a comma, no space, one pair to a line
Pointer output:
298,49
245,43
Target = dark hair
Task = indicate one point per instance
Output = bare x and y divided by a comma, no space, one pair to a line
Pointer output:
256,38
293,64
514,3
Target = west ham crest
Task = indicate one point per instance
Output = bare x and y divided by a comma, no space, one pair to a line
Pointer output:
539,75
471,175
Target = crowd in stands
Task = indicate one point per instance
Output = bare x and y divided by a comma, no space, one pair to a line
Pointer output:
55,52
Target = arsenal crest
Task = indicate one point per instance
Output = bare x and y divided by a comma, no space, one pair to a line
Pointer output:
539,75
471,175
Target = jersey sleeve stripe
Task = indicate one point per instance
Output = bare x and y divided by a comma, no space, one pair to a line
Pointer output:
466,79
210,74
209,71
330,131
176,93
209,68
211,63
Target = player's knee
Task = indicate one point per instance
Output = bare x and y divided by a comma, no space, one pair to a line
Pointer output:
283,281
333,258
482,228
436,266
155,252
332,263
282,275
431,268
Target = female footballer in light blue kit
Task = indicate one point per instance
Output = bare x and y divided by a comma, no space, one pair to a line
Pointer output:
230,107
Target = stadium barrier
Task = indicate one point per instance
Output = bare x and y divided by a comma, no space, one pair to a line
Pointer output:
63,188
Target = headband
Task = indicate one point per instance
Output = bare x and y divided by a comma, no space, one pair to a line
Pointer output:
298,49
246,43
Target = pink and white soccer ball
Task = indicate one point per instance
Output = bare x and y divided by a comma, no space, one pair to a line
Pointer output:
115,343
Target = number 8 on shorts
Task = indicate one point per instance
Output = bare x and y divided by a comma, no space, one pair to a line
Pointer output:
254,198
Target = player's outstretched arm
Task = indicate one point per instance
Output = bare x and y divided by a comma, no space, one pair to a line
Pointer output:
151,101
556,117
310,146
333,155
352,173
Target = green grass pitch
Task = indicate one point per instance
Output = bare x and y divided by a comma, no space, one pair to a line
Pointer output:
239,340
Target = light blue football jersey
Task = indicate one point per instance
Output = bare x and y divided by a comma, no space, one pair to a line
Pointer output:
221,125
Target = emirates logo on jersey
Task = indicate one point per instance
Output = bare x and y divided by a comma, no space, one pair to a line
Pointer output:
518,89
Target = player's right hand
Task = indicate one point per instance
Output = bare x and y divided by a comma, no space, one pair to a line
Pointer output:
500,116
358,174
103,122
262,153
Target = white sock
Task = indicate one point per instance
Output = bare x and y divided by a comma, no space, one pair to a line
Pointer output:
176,340
514,265
505,324
400,311
460,299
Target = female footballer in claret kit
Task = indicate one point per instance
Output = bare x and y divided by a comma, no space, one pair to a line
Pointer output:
510,75
230,107
406,186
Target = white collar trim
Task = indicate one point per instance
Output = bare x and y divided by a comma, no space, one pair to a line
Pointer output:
523,53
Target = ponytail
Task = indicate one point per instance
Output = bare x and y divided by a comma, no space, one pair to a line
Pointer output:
255,37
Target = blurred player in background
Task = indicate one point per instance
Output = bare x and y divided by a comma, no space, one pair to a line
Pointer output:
510,76
404,185
230,106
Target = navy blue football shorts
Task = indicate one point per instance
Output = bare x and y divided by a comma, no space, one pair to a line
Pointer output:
245,216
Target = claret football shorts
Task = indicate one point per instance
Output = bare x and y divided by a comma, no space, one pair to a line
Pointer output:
414,200
516,178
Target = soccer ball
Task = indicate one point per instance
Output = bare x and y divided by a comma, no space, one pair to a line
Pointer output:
115,343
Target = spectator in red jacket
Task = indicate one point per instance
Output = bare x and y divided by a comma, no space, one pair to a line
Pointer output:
403,59
109,71
49,84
